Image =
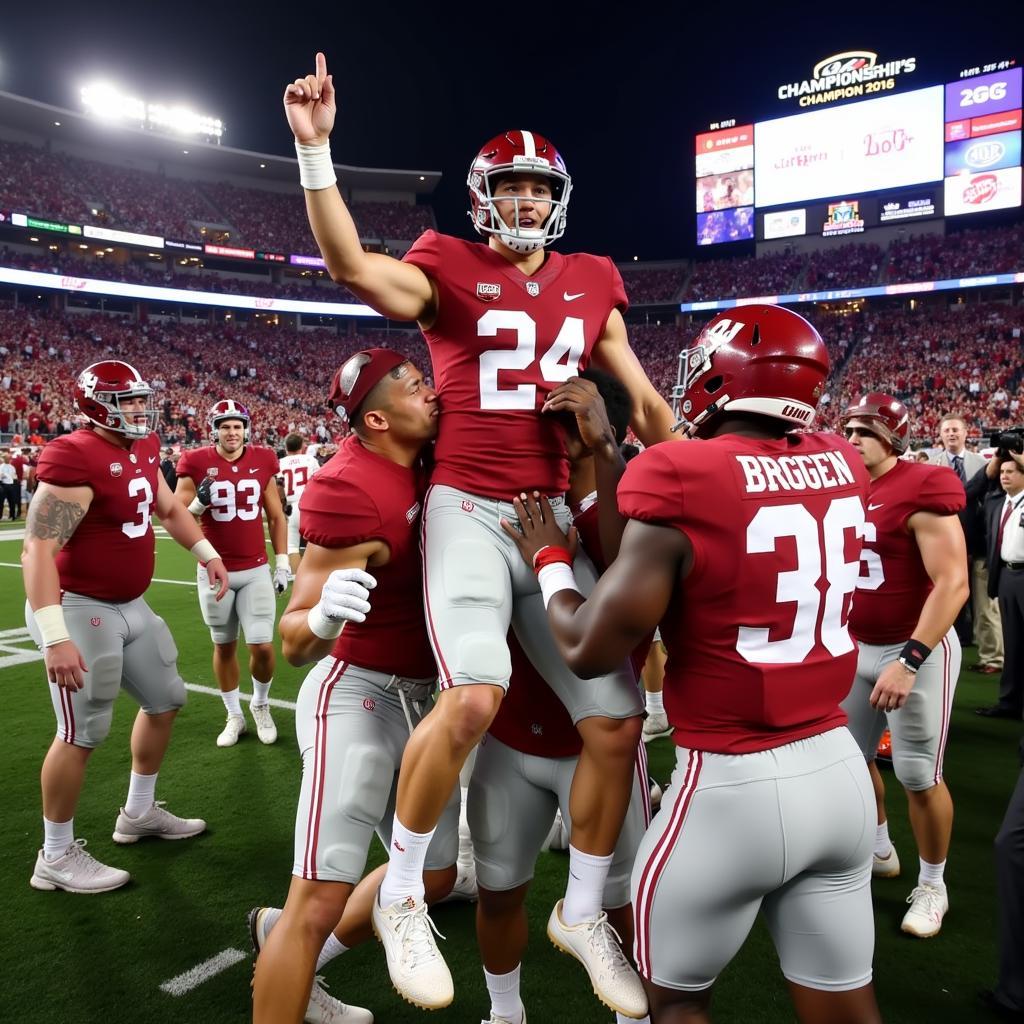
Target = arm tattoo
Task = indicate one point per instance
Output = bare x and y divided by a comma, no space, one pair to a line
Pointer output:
49,518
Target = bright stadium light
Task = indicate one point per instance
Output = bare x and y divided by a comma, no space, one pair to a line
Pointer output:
108,103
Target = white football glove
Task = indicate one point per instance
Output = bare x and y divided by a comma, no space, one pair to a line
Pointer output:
282,570
344,596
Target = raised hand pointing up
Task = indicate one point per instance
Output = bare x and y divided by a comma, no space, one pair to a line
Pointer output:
309,105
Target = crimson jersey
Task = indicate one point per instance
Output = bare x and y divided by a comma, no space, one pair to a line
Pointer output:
110,555
357,497
501,342
233,523
759,653
893,584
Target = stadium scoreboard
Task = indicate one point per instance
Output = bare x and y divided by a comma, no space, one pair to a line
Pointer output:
863,151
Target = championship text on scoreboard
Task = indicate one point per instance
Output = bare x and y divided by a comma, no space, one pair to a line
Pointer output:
846,75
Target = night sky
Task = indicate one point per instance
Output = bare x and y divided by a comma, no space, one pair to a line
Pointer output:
417,89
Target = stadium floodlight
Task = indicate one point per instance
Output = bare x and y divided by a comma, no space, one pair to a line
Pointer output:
108,103
183,121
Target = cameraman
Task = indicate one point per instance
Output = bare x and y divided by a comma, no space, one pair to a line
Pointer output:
1004,520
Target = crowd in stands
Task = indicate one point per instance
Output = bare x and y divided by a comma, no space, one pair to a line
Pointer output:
965,254
55,186
852,265
653,285
770,274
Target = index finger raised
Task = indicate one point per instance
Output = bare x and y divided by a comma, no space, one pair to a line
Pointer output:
321,68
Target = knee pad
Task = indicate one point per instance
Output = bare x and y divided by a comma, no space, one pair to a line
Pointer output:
915,770
103,687
363,783
474,574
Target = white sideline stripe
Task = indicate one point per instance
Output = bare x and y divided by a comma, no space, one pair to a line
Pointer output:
213,692
208,969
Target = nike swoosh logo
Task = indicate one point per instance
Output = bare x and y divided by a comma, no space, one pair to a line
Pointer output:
570,298
871,508
151,461
253,470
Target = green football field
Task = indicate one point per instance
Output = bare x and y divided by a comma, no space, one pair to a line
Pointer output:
69,958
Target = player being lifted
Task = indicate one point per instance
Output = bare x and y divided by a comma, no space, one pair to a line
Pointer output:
88,559
506,323
770,805
228,485
297,467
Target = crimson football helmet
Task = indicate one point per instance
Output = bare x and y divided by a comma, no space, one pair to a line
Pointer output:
517,152
102,387
228,409
756,359
885,415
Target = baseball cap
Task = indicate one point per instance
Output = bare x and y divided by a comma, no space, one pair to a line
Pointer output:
359,375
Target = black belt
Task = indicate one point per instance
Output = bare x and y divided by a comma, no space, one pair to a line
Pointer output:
1013,566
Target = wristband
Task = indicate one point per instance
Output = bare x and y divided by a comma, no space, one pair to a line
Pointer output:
50,620
316,171
197,508
281,562
551,555
321,626
203,551
914,655
555,577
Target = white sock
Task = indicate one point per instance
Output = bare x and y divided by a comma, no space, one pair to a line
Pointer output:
883,844
332,948
931,874
585,888
141,793
57,837
655,703
406,856
619,1019
504,992
231,701
260,691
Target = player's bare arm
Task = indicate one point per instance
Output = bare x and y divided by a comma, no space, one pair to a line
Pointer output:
53,516
597,634
581,398
313,590
394,289
652,418
940,539
182,526
185,490
277,521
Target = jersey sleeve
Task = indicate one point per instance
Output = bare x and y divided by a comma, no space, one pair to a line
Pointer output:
184,467
426,253
941,492
649,489
63,464
335,514
619,298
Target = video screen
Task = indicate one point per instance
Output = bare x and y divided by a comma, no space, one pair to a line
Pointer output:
883,143
723,191
729,149
975,193
785,223
984,94
987,153
735,225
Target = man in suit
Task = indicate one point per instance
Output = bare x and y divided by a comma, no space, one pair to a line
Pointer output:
986,631
1005,521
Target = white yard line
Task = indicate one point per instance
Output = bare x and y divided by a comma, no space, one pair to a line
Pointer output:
208,969
214,692
156,579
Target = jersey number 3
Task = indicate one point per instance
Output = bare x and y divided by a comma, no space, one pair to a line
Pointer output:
560,362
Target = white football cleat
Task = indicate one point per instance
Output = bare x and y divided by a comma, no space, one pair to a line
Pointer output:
886,867
76,871
558,835
265,728
928,906
158,823
465,888
233,728
417,969
656,725
325,1009
495,1019
595,944
261,921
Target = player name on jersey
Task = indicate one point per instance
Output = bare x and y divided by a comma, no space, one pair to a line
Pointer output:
814,472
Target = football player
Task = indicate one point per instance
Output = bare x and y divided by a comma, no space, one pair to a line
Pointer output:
525,764
506,322
228,485
88,558
373,681
297,467
912,585
745,545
